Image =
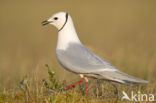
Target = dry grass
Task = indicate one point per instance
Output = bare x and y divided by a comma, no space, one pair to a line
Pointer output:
122,32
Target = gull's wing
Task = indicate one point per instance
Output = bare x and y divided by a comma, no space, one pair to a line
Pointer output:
77,58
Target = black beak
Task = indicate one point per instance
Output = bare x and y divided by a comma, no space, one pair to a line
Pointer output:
45,22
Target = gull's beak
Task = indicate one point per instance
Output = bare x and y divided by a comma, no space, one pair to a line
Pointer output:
45,22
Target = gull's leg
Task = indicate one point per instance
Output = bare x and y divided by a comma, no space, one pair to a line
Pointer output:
74,84
86,89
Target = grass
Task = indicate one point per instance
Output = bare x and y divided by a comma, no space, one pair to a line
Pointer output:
50,90
122,32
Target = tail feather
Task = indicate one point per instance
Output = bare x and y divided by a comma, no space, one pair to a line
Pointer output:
121,77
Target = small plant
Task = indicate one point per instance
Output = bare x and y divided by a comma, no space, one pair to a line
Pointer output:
24,85
53,84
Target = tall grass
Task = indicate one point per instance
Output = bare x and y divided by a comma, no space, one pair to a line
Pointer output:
50,90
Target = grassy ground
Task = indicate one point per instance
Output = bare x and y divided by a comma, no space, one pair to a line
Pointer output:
50,90
122,32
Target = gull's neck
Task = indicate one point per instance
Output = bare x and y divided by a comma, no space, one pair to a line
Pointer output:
67,35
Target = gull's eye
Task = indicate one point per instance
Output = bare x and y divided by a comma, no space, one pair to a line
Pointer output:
55,18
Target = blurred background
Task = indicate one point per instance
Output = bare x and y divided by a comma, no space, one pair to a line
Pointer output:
122,32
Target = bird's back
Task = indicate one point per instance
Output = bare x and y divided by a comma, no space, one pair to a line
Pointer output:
79,59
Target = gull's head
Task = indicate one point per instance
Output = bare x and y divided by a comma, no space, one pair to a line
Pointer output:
58,20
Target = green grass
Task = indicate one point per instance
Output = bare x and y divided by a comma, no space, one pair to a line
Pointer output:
50,90
122,32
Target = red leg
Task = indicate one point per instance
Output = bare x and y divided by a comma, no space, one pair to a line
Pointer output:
74,84
86,89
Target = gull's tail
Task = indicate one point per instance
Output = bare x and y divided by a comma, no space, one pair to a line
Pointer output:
121,77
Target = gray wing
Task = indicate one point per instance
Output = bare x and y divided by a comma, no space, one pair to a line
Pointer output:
121,77
77,58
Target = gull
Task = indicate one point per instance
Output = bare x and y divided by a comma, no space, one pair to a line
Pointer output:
76,58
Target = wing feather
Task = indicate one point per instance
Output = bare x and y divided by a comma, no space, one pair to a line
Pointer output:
77,58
